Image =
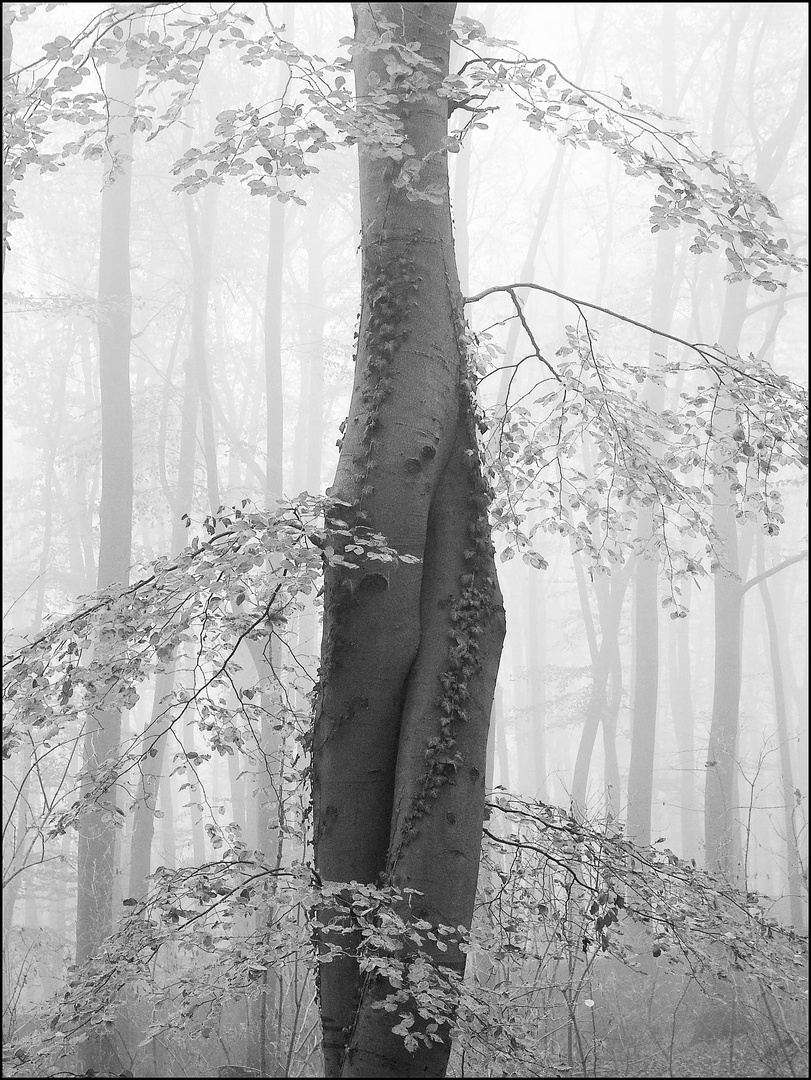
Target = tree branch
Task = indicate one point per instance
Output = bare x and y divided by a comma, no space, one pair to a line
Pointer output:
758,578
702,350
527,330
775,300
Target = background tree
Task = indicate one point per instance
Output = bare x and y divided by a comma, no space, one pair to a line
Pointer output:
97,837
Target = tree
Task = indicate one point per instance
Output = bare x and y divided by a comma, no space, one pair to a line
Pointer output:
721,800
97,838
409,656
413,631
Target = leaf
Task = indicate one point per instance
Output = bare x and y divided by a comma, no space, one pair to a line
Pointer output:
66,78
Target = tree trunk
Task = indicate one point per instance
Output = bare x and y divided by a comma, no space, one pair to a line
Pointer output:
9,15
721,812
97,834
721,826
316,300
274,420
201,228
153,746
646,597
262,1042
681,707
722,832
536,655
410,651
796,894
604,667
196,398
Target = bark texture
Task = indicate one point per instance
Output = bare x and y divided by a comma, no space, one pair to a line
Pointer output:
410,651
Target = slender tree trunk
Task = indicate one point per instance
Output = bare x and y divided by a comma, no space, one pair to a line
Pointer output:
316,299
681,707
195,795
722,830
495,721
598,703
796,894
167,809
611,770
646,689
646,595
97,834
523,718
410,652
153,747
274,429
201,228
721,811
721,826
536,656
196,399
263,1044
153,744
17,846
501,756
9,15
263,1049
57,409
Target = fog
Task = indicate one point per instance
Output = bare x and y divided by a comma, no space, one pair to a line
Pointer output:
187,299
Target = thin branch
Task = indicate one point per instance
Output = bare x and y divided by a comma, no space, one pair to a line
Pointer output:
784,299
700,349
758,578
527,330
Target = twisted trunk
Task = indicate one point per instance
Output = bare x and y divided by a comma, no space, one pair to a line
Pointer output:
410,650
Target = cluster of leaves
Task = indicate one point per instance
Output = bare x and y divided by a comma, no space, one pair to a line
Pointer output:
727,212
599,457
240,585
65,87
565,907
318,111
169,44
694,917
552,890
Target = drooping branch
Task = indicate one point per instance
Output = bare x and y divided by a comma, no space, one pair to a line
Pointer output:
528,331
712,355
703,350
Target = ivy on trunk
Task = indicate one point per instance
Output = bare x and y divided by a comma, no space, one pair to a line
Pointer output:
410,650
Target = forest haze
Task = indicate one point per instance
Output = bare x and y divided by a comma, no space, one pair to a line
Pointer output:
405,571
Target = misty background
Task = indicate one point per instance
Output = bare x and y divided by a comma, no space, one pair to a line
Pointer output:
526,208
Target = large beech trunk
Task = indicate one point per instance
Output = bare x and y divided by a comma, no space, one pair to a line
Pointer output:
410,651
